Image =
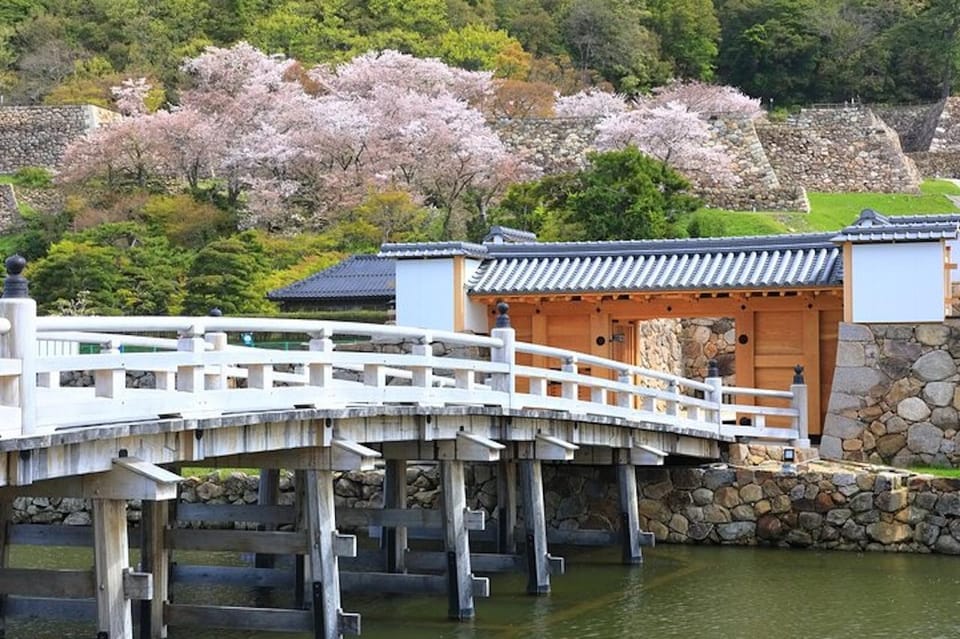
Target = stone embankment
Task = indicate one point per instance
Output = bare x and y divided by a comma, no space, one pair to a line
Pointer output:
895,395
818,505
38,136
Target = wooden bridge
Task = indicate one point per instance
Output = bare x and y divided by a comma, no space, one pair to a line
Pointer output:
201,400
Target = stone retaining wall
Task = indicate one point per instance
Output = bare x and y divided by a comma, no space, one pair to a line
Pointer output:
946,136
818,506
895,395
943,164
841,149
38,135
915,124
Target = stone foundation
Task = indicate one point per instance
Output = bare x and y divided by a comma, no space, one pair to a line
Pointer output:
895,395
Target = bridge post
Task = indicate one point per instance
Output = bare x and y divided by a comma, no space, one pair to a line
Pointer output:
111,555
323,562
268,491
506,354
395,496
20,342
506,506
535,527
456,541
715,394
155,559
629,513
799,403
218,340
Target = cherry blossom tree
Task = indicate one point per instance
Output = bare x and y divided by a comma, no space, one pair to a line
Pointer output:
710,99
590,104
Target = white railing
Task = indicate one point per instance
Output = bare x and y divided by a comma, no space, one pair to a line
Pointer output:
196,369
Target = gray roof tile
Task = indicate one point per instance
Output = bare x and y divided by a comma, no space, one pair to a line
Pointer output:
872,227
357,277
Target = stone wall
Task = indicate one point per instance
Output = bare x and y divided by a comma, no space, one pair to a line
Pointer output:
9,211
840,149
915,124
661,345
37,136
709,338
946,136
817,505
553,145
895,396
944,164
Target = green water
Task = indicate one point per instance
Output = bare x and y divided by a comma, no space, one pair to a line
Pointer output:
688,592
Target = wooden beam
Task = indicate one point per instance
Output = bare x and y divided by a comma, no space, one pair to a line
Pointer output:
394,540
456,541
535,525
155,559
629,514
394,583
469,447
130,478
30,582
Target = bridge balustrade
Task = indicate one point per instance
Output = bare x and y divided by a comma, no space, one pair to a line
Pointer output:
205,370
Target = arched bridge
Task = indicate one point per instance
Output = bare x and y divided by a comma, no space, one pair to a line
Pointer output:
103,408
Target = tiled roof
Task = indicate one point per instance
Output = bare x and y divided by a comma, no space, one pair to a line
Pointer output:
873,227
809,260
433,249
357,277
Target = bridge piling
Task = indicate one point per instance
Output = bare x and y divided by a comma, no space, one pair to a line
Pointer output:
506,506
111,559
629,514
535,526
394,538
456,541
154,559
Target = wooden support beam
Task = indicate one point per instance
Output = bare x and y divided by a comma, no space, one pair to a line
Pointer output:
349,455
547,447
255,541
111,558
155,559
320,517
469,447
506,506
644,455
629,514
535,527
394,583
130,478
394,539
456,541
268,492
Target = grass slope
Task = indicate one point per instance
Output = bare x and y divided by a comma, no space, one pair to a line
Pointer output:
828,211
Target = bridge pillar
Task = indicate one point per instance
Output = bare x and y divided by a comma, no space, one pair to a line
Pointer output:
322,556
268,493
155,559
535,526
506,506
111,559
456,541
395,496
629,514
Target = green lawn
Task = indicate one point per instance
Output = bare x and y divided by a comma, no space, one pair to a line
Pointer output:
828,211
937,471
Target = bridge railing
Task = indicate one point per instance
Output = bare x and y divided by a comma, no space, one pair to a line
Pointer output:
196,369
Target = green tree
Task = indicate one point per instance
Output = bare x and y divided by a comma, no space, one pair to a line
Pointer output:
477,47
224,275
72,267
689,34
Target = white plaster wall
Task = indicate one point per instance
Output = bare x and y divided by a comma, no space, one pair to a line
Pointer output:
425,293
475,313
898,282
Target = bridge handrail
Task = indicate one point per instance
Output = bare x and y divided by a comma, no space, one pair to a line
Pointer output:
194,371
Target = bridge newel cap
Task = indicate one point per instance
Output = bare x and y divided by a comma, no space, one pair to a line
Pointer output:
798,375
503,320
15,284
713,368
215,312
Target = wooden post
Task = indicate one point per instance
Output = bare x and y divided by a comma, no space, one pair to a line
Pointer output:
20,342
395,496
506,354
218,340
715,394
267,495
629,514
155,559
300,572
111,558
456,541
6,519
506,506
323,563
800,403
535,525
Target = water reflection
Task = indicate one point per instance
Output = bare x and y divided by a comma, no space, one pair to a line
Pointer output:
681,592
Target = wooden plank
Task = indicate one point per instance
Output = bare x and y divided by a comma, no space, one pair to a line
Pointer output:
237,618
396,583
28,582
44,608
281,543
111,559
263,514
480,562
234,576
